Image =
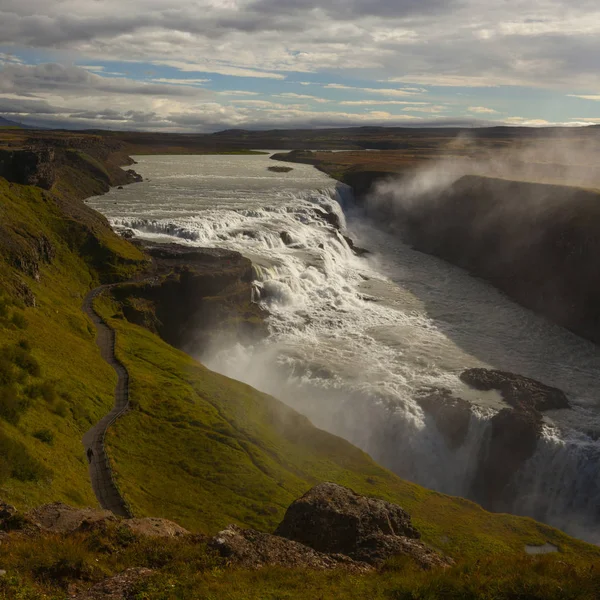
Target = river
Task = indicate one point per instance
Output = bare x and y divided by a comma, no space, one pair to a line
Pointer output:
353,339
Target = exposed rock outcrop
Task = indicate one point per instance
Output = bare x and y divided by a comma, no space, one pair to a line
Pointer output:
333,519
29,166
451,415
538,243
155,527
514,431
61,518
518,391
251,549
192,295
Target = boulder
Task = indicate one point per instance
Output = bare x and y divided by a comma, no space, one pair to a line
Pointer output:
133,177
329,217
6,510
154,527
333,519
252,549
60,518
286,238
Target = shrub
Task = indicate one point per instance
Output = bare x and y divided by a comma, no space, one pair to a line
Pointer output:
44,435
61,409
19,321
23,359
10,405
21,464
7,371
24,345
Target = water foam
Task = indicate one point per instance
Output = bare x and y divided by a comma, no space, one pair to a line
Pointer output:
352,340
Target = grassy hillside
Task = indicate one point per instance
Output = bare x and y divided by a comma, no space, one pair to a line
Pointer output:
53,383
197,447
214,451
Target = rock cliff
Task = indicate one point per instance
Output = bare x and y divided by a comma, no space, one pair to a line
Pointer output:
538,243
192,295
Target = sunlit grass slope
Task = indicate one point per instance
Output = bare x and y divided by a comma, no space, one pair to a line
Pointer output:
53,382
206,451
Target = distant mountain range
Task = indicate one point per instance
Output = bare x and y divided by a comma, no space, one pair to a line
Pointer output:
8,123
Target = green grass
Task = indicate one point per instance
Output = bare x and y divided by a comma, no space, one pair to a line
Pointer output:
68,387
198,448
184,568
214,451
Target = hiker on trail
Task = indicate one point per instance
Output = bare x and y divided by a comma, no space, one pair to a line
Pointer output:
90,454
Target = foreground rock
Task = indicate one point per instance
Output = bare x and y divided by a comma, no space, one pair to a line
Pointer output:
252,549
153,527
119,587
333,519
60,518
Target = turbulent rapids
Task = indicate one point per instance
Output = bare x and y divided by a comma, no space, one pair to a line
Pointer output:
354,340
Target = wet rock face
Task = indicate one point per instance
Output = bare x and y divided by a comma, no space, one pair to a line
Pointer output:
538,243
247,548
513,440
518,391
451,415
514,432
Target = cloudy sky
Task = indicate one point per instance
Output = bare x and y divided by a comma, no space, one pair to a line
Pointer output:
213,64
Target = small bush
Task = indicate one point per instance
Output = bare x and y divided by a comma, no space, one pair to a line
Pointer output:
4,304
7,371
24,345
26,362
44,435
11,407
61,408
18,462
80,413
19,321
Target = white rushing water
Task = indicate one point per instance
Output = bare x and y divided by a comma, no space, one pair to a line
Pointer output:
352,340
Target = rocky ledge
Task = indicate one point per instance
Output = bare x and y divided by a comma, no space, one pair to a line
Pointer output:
190,296
513,434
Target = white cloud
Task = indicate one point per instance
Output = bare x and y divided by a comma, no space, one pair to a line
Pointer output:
382,102
442,80
389,92
595,97
302,97
218,68
482,110
238,93
180,81
526,122
426,109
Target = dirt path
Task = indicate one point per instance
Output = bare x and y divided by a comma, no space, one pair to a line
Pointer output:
103,482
